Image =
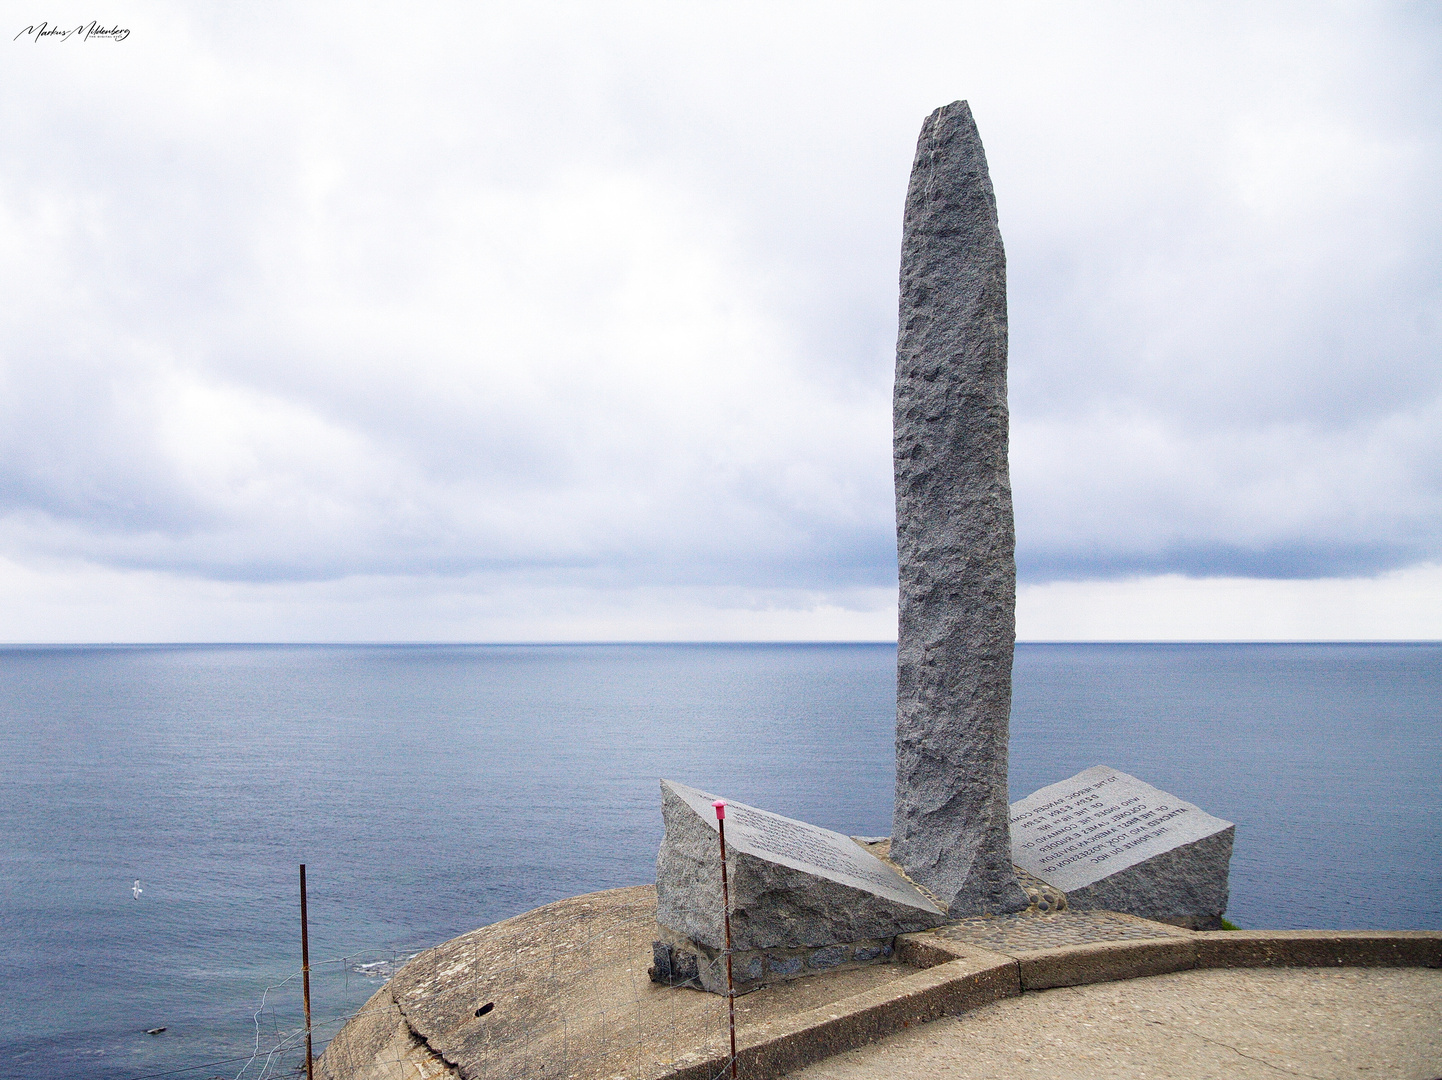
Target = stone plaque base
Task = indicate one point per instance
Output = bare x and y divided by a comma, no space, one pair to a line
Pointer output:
792,885
679,961
1111,842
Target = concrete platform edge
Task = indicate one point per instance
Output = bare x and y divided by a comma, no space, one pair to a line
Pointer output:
956,978
946,989
1319,948
1108,961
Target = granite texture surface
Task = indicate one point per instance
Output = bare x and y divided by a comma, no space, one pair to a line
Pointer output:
679,961
571,1001
1116,843
954,528
1186,886
772,906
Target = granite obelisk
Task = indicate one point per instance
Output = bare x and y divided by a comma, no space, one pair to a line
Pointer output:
955,537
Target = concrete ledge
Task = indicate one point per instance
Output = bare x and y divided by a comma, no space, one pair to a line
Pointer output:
571,995
943,990
928,950
1319,948
959,977
1108,961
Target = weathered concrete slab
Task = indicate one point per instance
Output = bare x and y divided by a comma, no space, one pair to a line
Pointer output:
377,1044
955,536
1110,961
1112,842
947,989
1067,948
572,1001
1025,932
793,886
1194,1025
1319,948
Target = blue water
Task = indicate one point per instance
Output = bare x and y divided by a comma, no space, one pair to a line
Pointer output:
433,789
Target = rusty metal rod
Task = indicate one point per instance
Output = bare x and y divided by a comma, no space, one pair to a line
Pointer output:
305,974
726,914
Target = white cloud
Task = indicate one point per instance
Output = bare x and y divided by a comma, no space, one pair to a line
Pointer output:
1404,605
602,298
59,601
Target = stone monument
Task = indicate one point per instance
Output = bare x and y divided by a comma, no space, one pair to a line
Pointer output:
955,537
1110,841
803,899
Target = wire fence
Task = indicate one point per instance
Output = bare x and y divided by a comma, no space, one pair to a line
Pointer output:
561,993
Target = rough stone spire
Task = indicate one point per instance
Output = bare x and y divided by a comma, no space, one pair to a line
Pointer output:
955,536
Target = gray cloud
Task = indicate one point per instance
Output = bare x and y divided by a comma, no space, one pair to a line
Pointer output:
609,298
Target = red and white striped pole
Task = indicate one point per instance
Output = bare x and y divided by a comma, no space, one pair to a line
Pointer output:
720,805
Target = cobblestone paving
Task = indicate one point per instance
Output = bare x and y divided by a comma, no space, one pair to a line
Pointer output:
1046,899
1029,930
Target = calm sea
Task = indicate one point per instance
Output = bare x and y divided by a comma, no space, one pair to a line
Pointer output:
433,789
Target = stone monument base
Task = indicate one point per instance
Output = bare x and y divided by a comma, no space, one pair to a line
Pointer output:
1111,842
1176,887
1042,897
803,900
570,998
679,961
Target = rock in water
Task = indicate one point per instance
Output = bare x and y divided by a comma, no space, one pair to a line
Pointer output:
955,537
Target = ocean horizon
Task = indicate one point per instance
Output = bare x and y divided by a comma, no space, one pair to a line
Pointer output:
433,788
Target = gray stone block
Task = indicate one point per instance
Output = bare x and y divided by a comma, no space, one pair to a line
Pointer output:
1112,842
954,529
793,885
679,961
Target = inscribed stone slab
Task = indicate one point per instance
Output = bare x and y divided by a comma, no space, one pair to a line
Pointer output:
1098,823
1110,841
801,846
793,885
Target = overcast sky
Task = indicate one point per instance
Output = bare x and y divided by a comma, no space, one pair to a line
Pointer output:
577,321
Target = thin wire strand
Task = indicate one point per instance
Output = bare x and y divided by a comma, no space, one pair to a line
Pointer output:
627,1032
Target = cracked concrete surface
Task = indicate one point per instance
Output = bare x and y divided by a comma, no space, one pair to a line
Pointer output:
1238,1024
562,991
570,997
